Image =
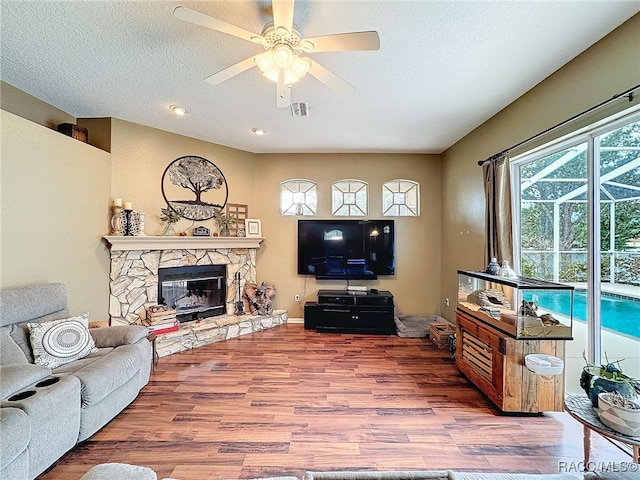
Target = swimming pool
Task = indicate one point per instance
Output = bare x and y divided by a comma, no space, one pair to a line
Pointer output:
620,314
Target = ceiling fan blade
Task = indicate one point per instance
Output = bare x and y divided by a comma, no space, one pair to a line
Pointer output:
283,14
233,70
330,79
191,16
339,42
283,94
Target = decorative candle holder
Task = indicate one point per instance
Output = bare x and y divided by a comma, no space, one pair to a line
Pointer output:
140,232
116,221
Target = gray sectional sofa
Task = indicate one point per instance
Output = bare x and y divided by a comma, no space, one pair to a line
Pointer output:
47,410
111,471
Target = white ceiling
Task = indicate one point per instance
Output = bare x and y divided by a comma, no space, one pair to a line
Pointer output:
444,67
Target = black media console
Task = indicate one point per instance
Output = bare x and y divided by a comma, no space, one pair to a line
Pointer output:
343,311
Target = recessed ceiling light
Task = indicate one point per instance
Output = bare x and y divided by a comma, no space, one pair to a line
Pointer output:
178,110
257,131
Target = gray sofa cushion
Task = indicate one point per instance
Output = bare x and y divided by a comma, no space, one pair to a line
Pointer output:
17,376
631,474
429,474
112,471
24,304
107,373
15,433
510,476
83,362
374,475
118,335
10,352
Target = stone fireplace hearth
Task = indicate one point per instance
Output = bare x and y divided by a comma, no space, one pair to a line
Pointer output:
135,262
134,284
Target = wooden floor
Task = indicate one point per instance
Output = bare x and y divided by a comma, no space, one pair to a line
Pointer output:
285,400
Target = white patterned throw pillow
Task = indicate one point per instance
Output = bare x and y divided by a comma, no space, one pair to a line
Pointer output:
62,341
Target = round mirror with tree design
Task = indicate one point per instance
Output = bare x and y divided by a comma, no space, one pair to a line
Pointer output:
195,187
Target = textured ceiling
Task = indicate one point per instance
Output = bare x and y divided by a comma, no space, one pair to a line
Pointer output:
444,67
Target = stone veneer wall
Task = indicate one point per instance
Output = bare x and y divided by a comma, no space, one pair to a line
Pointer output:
134,276
214,329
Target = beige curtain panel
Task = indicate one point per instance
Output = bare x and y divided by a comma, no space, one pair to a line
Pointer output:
497,188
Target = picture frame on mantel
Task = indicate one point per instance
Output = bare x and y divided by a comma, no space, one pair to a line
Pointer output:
253,227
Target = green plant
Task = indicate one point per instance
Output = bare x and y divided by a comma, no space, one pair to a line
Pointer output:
224,220
170,215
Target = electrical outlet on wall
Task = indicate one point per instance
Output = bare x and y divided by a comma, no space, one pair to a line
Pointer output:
296,298
446,302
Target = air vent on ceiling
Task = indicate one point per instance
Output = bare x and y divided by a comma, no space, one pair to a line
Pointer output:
299,109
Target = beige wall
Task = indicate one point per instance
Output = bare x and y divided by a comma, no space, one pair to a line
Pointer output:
27,106
416,285
609,67
140,155
54,196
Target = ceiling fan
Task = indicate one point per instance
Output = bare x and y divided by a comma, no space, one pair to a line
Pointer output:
282,61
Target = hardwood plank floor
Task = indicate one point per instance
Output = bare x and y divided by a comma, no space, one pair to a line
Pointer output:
286,400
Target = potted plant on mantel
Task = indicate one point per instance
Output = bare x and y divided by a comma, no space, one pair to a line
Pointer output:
172,217
224,221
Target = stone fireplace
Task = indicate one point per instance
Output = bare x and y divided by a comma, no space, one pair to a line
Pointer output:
135,262
134,284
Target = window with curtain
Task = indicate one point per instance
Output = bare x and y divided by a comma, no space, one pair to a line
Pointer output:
298,197
578,222
349,198
400,198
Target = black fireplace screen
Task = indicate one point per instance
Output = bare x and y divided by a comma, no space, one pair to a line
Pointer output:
195,291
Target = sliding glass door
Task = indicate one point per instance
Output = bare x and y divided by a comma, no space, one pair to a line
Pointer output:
618,162
578,222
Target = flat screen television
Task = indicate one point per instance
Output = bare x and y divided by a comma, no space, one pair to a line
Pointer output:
346,249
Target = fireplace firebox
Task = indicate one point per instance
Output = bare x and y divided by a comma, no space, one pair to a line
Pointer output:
195,291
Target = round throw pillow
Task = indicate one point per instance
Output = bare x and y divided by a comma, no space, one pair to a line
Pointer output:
58,342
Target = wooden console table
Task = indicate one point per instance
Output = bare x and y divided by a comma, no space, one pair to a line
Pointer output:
580,408
495,362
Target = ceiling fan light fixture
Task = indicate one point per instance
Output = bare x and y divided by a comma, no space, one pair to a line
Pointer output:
282,58
290,77
300,66
265,61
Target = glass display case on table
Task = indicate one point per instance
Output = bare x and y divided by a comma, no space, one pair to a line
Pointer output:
524,308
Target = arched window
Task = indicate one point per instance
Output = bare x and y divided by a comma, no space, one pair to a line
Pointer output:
349,198
298,197
401,198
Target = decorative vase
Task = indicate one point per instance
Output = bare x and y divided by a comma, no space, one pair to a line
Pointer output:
494,267
224,232
140,232
168,230
623,419
605,379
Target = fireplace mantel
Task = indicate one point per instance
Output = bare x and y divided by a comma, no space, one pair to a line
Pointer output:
177,242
